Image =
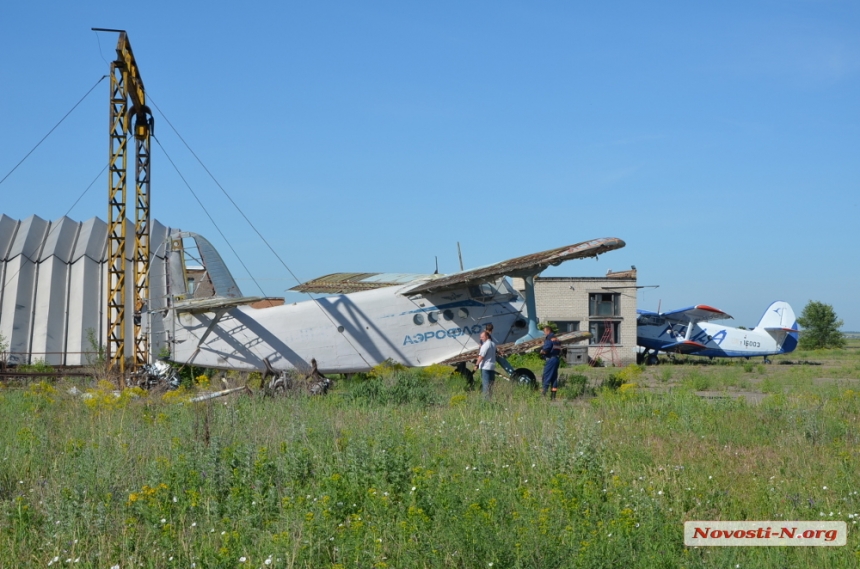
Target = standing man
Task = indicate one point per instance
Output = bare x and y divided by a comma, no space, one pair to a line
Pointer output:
487,363
551,350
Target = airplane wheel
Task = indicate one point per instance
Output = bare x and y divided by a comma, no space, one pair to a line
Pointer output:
652,360
524,376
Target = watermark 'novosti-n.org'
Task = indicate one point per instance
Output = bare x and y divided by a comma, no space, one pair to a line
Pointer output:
710,534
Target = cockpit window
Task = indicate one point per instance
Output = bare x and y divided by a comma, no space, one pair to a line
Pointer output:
483,291
650,320
488,291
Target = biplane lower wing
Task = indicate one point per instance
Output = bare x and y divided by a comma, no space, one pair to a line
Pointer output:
512,348
683,347
213,304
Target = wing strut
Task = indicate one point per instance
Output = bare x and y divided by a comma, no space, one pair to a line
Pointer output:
531,311
218,315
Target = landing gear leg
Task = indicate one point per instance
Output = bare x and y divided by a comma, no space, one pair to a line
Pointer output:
767,360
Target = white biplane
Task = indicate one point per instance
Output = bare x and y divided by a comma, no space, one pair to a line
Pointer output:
690,331
361,319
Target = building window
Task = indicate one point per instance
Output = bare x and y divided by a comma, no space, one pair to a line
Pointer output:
565,326
603,332
604,304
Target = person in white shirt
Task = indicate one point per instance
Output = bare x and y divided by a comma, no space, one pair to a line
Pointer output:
487,363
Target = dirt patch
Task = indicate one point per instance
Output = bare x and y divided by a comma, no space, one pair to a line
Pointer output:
750,396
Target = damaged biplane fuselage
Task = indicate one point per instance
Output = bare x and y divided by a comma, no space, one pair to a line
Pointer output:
416,320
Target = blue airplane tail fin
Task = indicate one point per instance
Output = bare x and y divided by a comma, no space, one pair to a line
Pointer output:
780,321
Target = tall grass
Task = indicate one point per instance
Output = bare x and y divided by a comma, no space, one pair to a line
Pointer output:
407,470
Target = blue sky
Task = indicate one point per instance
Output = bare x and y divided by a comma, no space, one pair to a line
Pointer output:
719,141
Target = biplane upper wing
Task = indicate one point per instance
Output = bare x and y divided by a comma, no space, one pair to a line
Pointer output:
345,283
514,348
698,313
520,266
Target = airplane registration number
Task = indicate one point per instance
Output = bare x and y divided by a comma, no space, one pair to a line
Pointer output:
752,344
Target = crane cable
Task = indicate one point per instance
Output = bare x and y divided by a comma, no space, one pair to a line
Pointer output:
245,217
103,77
206,211
54,226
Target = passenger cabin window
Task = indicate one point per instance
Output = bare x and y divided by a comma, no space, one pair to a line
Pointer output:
604,304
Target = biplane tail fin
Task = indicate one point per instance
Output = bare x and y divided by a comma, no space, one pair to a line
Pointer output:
779,321
778,316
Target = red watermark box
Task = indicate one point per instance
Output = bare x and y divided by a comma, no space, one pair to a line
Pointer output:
782,533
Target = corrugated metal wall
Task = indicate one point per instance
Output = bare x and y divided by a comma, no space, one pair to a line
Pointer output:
53,281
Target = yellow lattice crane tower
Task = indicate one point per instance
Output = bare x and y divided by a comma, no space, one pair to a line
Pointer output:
126,85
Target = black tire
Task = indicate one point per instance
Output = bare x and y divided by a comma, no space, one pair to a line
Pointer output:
652,360
524,376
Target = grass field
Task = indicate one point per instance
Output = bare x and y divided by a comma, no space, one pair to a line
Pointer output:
409,470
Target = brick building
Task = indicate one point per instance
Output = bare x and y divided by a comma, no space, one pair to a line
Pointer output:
604,306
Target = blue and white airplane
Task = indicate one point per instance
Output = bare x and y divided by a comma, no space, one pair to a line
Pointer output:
690,331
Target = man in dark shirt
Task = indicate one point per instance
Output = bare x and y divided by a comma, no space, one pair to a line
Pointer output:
551,350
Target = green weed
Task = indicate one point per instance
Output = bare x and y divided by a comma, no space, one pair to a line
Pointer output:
380,473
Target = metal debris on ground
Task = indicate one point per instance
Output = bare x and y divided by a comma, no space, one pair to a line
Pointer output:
286,382
217,394
158,374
